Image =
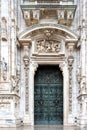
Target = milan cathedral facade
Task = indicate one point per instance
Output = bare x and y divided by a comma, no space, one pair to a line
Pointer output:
43,62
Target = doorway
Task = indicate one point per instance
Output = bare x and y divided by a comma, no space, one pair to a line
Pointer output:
48,95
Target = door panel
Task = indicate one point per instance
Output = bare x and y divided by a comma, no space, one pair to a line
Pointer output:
48,96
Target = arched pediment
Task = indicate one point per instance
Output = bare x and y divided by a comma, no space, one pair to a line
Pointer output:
49,31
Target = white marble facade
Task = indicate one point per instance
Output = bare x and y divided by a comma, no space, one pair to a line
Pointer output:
32,37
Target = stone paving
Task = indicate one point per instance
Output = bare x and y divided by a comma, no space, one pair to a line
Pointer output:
45,128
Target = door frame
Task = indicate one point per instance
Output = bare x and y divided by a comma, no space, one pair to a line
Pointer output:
63,67
53,68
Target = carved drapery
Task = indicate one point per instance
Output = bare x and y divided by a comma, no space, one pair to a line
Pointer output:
70,67
26,67
48,46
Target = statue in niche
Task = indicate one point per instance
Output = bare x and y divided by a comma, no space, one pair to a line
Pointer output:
4,65
15,80
4,69
15,84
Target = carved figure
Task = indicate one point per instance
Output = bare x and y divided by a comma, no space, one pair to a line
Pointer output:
4,65
15,83
48,46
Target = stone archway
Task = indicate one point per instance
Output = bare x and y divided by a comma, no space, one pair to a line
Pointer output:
43,45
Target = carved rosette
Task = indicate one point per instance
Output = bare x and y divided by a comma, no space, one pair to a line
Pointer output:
26,67
70,67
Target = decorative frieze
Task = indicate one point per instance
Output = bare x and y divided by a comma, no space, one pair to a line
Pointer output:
34,12
48,46
9,96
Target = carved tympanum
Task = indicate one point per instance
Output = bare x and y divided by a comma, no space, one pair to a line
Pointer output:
48,46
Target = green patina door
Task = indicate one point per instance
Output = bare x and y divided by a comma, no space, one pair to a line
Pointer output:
48,96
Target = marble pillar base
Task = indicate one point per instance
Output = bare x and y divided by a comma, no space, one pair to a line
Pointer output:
70,120
82,121
10,122
26,120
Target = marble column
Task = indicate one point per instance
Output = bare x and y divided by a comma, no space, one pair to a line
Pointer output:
63,67
33,68
70,68
26,69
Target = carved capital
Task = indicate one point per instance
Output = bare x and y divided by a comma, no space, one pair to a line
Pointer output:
33,67
61,66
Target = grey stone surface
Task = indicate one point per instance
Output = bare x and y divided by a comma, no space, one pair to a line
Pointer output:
45,128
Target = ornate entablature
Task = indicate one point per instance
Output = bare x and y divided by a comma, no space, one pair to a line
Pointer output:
36,12
47,40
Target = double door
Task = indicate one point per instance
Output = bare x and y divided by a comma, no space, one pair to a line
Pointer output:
48,96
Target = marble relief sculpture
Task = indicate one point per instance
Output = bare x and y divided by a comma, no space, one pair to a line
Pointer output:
48,46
